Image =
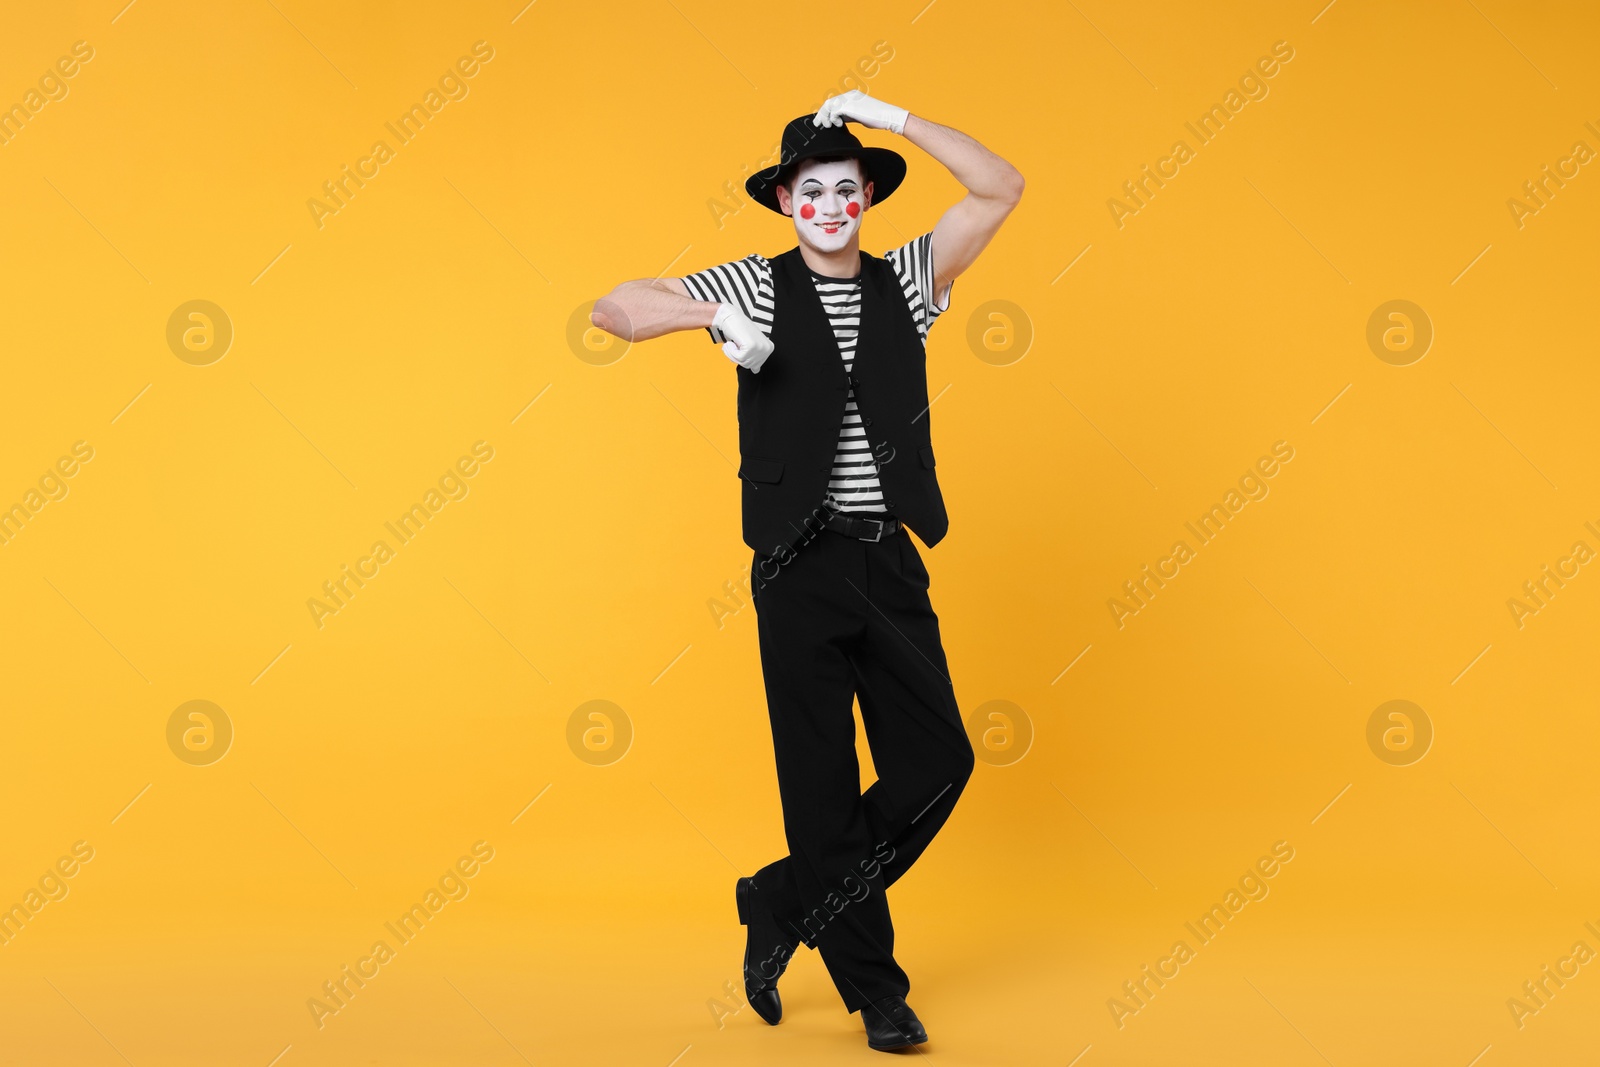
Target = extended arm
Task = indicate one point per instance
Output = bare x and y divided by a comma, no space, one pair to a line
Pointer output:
993,186
642,309
646,308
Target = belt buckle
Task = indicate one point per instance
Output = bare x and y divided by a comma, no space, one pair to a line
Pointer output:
879,535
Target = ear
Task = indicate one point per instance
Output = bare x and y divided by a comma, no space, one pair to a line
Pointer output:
784,201
866,196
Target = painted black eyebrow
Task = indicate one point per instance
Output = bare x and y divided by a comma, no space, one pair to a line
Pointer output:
841,181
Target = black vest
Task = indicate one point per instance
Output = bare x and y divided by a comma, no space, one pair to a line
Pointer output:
790,413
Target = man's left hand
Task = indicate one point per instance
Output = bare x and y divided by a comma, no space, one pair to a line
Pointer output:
857,106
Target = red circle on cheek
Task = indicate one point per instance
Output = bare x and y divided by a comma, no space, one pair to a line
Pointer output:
806,211
852,209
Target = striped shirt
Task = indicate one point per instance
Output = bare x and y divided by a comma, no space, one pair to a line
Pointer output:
747,285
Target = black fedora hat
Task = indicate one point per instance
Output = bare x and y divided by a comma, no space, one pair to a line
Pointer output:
803,139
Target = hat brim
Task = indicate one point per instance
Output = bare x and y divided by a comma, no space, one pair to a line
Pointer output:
885,169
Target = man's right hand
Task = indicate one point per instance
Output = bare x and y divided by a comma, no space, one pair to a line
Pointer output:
746,345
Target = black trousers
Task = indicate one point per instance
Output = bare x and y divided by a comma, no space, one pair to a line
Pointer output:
842,619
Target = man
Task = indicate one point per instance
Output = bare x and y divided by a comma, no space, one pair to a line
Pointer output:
837,462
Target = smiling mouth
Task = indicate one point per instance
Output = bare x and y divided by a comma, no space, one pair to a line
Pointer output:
830,227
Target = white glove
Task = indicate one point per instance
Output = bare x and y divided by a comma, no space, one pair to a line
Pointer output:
857,106
746,344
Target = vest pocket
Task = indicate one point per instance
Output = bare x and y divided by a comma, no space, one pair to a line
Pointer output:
926,453
761,470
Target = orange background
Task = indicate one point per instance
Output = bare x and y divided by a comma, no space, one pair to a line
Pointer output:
432,312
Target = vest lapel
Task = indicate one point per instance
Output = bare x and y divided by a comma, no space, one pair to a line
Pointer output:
803,289
872,334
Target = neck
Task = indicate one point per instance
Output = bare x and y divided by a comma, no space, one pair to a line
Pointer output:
845,263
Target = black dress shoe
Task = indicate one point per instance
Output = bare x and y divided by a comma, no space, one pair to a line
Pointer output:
767,950
891,1024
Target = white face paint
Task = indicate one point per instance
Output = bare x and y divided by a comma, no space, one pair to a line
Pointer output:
828,190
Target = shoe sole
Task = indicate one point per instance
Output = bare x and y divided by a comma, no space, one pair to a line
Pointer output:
895,1047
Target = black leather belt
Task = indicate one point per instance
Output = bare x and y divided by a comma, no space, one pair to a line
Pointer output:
861,527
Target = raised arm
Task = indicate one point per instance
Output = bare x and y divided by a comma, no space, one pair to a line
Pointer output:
993,186
993,189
